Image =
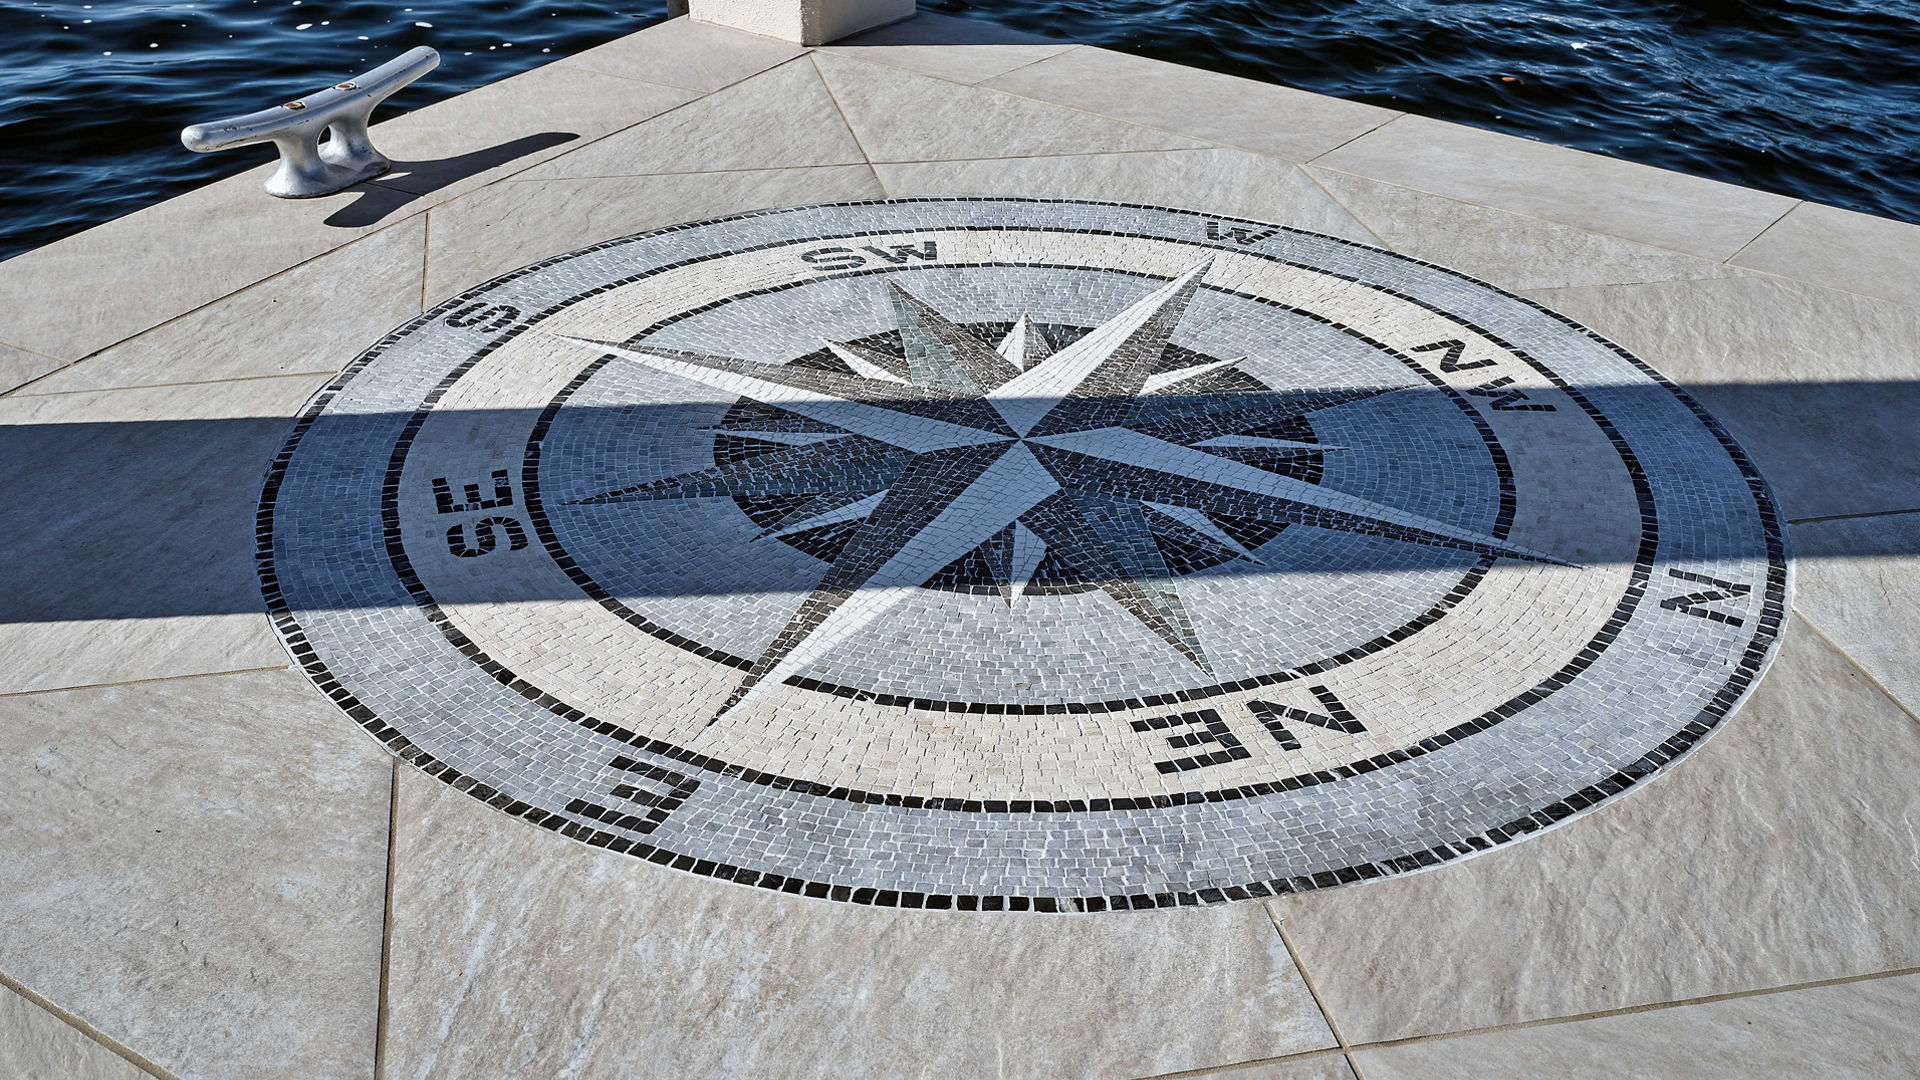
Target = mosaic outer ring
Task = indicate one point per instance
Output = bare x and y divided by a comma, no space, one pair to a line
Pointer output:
295,614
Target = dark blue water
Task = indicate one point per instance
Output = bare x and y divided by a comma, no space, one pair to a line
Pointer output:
1818,99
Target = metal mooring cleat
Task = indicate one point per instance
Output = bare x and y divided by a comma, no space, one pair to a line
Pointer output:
309,167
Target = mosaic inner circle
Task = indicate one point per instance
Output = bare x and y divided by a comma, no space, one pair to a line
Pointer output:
1020,555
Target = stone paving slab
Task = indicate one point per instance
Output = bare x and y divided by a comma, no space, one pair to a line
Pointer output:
168,259
1214,180
1781,853
136,562
693,55
1613,198
1857,1030
310,320
504,227
1859,585
780,119
519,953
1793,322
1819,385
1840,249
899,116
959,50
1510,250
501,129
196,869
1222,109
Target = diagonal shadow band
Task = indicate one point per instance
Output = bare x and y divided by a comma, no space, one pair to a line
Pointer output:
413,179
146,518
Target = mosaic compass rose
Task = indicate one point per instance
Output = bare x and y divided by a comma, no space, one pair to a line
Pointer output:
1085,452
1013,555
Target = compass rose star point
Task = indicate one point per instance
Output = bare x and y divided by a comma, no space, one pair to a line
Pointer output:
1082,456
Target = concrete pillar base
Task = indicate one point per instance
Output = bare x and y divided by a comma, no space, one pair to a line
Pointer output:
804,22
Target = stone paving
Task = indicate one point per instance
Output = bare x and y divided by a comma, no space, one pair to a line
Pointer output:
214,872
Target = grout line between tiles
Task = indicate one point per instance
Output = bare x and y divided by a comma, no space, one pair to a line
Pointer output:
127,1053
845,120
1852,517
833,49
386,926
1859,667
1293,954
185,382
143,682
853,164
1358,220
1382,124
426,253
1797,204
1631,1010
1226,1072
1205,144
1708,259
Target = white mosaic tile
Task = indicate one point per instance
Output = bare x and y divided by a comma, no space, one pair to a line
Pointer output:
1008,554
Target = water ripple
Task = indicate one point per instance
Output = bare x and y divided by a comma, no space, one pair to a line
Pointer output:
1811,98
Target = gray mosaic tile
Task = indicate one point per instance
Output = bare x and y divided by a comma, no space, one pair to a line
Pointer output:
1019,555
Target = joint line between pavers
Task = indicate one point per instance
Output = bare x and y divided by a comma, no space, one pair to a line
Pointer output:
386,925
1208,1072
1859,667
1707,259
857,164
131,1056
1630,1010
1351,212
845,120
183,382
1797,204
1382,124
1853,517
143,682
1212,144
426,253
1313,991
834,50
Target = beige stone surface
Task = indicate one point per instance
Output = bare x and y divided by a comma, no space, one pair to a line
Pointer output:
1604,195
37,1045
1510,250
901,116
1859,584
132,554
681,52
196,869
1218,180
313,318
1841,249
783,118
18,366
959,50
1783,851
1852,1031
1818,385
508,226
1252,115
517,953
1327,1066
503,128
81,294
